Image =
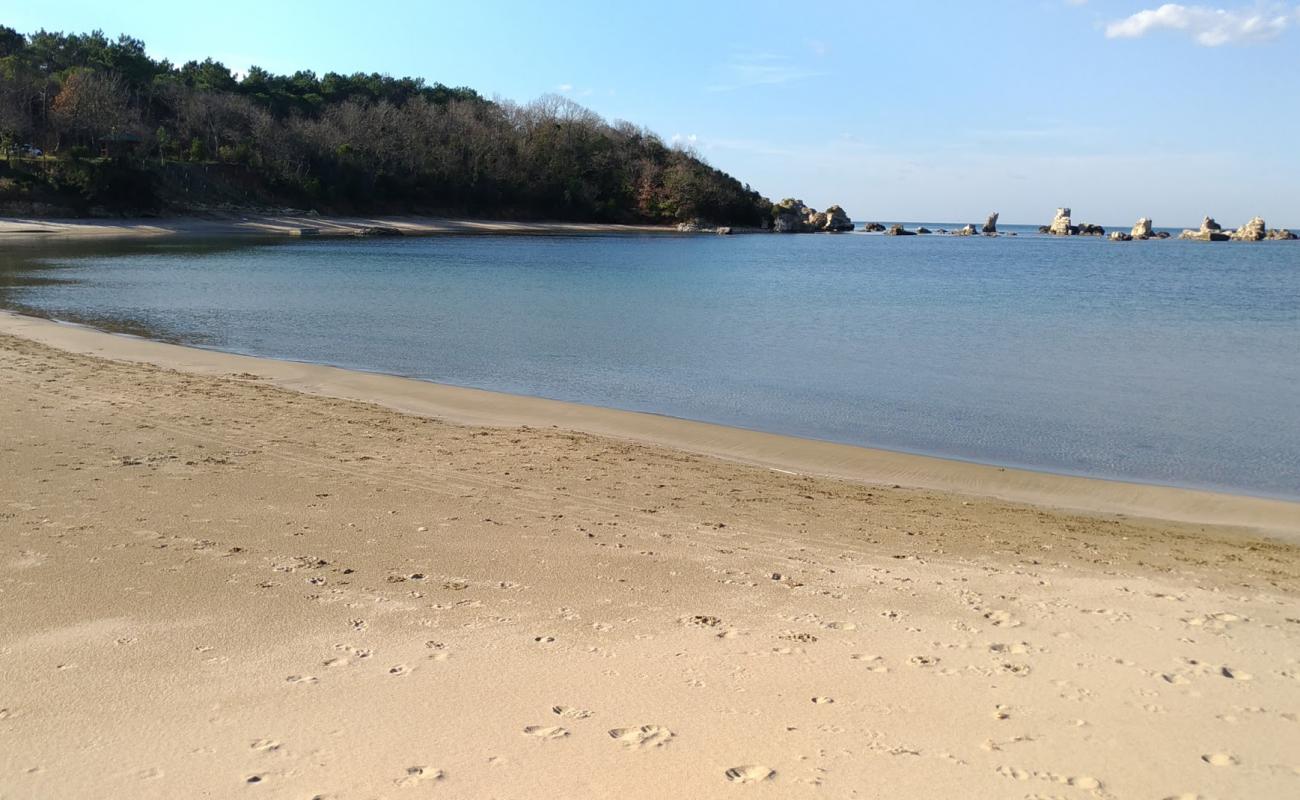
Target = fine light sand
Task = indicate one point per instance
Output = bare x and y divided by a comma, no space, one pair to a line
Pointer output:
215,586
286,224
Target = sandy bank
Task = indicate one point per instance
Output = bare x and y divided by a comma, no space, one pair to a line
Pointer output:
214,587
803,456
291,225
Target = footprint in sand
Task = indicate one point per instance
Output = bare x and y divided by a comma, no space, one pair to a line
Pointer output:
543,732
642,738
823,701
302,679
750,773
418,775
1235,674
398,670
1220,759
569,712
265,745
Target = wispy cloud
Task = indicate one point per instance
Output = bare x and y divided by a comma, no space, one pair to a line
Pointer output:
760,69
1210,27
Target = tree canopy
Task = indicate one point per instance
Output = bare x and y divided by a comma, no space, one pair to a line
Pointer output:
359,142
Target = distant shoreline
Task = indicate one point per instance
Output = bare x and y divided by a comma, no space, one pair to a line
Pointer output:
296,225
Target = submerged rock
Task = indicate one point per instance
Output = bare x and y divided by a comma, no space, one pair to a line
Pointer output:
991,226
1044,228
922,230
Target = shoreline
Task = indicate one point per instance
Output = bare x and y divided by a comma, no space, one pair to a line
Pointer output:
475,407
215,578
294,224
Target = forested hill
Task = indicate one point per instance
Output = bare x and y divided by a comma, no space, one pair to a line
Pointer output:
91,125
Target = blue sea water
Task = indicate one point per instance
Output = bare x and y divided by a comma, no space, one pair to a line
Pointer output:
1165,361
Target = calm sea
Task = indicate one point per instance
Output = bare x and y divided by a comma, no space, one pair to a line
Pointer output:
1166,362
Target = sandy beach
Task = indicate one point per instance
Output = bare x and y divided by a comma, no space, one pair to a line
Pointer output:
288,224
225,576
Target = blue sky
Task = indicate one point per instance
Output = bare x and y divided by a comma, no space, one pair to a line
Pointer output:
934,111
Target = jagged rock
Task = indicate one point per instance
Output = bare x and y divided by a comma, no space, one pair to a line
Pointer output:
1142,230
1282,235
873,227
969,230
1061,224
722,230
379,230
837,220
693,226
899,230
1210,231
792,216
1044,228
922,230
1121,236
1161,235
991,226
1253,231
1088,229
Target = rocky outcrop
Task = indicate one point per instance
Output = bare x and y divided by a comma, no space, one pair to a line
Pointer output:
1282,235
837,220
1088,229
1121,236
792,216
969,230
1142,230
1061,224
1210,231
899,230
1044,228
1253,231
991,226
873,227
922,231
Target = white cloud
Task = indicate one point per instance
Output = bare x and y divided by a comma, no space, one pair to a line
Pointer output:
761,69
565,87
1210,27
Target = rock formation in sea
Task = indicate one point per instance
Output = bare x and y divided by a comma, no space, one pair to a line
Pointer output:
1210,231
1061,224
837,220
1142,230
969,230
1088,229
922,230
1282,235
873,227
991,226
1253,231
1044,228
899,230
1121,236
792,216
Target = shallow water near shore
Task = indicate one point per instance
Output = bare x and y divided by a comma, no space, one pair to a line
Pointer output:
1163,362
